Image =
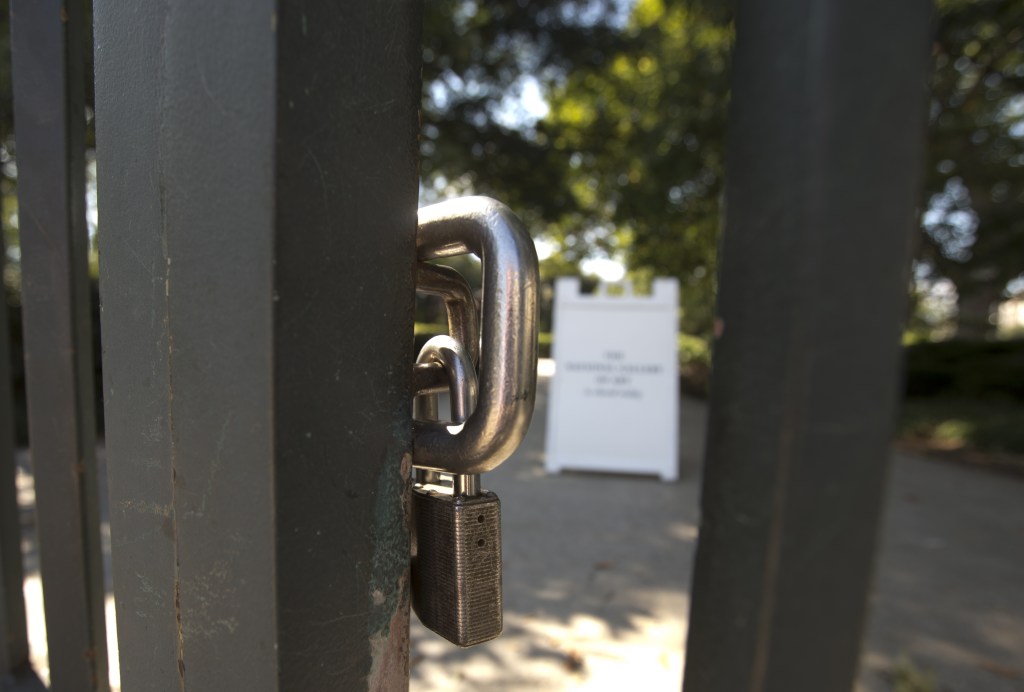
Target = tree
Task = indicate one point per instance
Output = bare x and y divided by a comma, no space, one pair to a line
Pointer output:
477,58
631,151
644,134
974,192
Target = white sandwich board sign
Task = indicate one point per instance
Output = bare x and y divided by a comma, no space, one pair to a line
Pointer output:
614,398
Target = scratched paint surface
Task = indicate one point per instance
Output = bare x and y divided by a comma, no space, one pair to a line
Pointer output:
258,190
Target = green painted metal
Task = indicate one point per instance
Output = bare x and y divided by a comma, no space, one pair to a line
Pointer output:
258,186
48,57
826,139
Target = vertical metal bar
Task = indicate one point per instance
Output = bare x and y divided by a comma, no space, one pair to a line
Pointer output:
134,265
258,184
49,112
14,649
14,632
824,163
347,182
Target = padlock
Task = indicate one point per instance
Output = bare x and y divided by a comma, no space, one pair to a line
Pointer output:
456,562
456,578
457,528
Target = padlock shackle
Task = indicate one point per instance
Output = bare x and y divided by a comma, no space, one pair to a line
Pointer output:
508,355
462,382
463,321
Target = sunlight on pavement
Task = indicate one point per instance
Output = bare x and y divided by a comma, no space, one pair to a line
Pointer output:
545,653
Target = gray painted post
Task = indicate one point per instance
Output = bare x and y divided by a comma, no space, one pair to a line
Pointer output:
824,165
48,56
16,671
257,196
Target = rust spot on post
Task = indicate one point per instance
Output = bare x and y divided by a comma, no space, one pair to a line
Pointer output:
390,650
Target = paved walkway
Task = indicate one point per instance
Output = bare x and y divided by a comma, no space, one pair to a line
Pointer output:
597,571
949,590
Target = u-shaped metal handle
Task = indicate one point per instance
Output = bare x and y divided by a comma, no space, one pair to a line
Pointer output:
457,366
508,354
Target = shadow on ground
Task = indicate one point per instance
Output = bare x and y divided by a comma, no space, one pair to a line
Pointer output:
949,586
597,571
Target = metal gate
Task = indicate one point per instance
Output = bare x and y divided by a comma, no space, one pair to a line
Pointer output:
257,166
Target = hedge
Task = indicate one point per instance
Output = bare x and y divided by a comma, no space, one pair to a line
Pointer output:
966,369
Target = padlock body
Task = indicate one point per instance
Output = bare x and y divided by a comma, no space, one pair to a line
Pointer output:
456,567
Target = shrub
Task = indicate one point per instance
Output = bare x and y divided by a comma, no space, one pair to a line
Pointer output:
966,369
694,365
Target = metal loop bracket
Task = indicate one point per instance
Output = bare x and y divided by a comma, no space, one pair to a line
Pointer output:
508,353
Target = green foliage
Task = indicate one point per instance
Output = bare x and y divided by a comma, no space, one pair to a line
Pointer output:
644,136
906,677
954,424
477,59
966,369
544,341
430,328
965,395
974,186
630,154
694,364
629,160
424,331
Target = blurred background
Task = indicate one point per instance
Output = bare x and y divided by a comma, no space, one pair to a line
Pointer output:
603,124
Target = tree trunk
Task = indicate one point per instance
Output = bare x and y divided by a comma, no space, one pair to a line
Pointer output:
975,307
